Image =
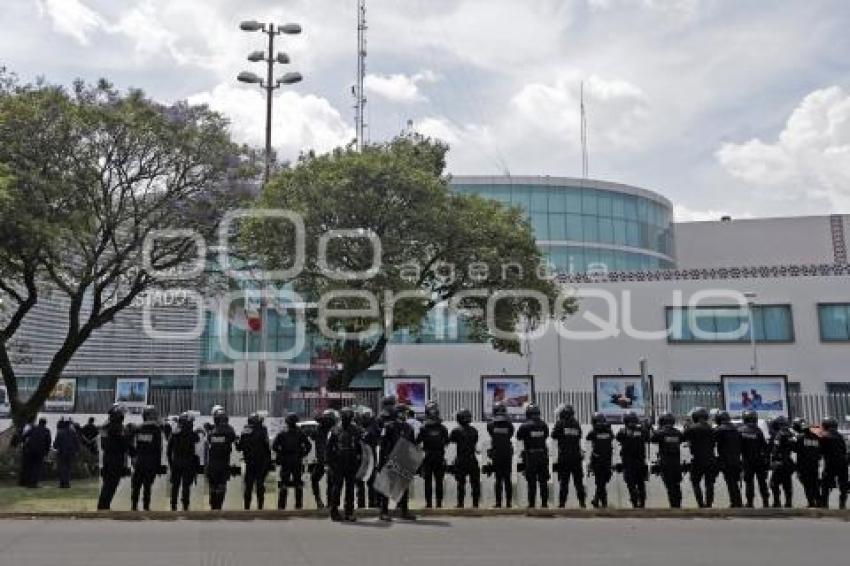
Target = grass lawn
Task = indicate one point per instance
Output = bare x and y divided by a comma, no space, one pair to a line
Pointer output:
82,496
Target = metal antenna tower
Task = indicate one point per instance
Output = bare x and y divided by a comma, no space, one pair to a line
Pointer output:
584,161
358,90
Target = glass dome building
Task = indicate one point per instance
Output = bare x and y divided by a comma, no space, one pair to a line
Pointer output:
587,225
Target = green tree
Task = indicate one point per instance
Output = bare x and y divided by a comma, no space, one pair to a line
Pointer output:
88,174
443,245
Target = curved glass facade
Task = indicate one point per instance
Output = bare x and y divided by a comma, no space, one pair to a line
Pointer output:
587,225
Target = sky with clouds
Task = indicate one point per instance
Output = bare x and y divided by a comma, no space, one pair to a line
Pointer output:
735,107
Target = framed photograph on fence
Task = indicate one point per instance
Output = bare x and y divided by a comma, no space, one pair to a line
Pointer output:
63,398
765,394
5,405
411,390
616,395
515,391
132,392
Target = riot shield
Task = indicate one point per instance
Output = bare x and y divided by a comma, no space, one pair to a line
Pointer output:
367,462
398,473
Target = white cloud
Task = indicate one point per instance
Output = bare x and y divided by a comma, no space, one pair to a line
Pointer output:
399,87
616,109
438,128
683,213
810,158
72,18
300,123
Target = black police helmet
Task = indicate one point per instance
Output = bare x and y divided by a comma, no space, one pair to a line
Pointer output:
699,415
667,419
567,412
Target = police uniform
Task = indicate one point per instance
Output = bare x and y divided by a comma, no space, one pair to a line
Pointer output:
601,439
533,434
219,447
146,452
254,445
465,437
568,434
669,441
291,446
433,437
501,454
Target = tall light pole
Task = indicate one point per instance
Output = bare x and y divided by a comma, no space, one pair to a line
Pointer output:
751,303
270,84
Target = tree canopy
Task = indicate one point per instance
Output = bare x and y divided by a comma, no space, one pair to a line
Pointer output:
87,174
444,247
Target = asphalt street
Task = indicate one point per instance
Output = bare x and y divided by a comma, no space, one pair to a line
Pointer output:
459,542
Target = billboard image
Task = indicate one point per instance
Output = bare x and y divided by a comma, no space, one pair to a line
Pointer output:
63,397
765,394
616,395
413,391
132,392
515,391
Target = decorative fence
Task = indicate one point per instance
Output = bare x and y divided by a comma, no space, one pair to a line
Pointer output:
812,407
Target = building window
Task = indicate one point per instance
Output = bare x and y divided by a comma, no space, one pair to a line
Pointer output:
213,379
729,324
834,319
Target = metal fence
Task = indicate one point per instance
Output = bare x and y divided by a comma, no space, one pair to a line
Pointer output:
812,407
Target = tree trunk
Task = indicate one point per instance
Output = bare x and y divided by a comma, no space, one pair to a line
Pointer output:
355,359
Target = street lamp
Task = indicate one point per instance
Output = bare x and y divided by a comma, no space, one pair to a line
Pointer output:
270,84
751,303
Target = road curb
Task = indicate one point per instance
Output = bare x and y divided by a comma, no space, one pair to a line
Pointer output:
275,515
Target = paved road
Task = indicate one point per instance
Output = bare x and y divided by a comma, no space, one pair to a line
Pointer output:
458,542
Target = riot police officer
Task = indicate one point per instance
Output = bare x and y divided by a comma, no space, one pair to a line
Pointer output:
535,456
433,437
700,438
834,449
807,448
146,455
394,427
601,440
781,462
465,438
36,445
344,458
501,453
291,446
182,460
365,491
67,445
754,457
89,434
327,420
220,442
115,446
727,438
567,432
633,438
669,441
254,445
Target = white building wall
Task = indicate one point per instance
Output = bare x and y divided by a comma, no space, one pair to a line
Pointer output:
807,360
748,242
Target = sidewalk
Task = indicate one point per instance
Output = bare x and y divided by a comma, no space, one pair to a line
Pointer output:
275,515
